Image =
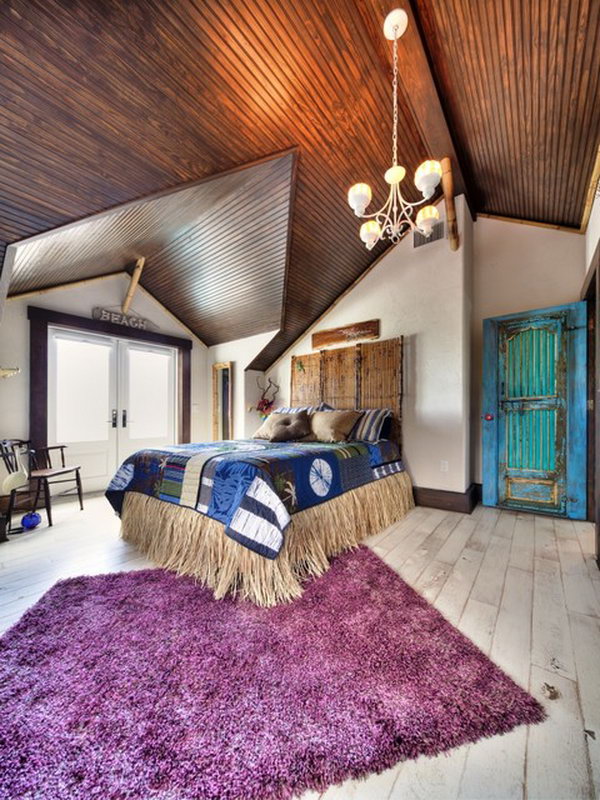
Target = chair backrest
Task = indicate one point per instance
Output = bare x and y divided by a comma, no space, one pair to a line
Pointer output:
10,451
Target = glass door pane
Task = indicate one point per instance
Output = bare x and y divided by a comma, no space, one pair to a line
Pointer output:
81,397
147,397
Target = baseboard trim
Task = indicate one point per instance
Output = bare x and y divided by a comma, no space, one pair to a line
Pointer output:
463,502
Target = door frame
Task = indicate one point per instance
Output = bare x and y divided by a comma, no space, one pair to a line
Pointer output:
590,292
40,319
576,409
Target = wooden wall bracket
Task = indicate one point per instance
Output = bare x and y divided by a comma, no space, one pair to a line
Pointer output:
448,187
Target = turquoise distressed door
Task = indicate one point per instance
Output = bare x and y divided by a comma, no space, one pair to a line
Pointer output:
534,424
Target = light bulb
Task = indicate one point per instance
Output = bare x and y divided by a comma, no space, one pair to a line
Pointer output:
370,233
395,174
427,177
426,219
359,197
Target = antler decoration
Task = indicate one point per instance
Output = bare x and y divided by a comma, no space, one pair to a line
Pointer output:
266,403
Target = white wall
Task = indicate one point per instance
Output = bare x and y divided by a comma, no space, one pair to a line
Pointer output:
424,295
592,234
79,300
245,389
516,268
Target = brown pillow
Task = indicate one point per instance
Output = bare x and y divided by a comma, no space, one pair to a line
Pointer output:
333,426
284,427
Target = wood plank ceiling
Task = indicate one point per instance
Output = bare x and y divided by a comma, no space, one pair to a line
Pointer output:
224,292
106,102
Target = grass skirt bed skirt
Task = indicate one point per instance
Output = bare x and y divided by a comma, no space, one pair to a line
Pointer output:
191,543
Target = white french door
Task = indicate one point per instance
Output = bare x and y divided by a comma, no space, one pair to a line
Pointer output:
107,398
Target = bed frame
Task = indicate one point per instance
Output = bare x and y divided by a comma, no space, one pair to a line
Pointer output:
367,375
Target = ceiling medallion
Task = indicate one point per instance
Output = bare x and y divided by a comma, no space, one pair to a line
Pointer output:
395,216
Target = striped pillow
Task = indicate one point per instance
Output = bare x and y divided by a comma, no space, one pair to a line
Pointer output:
370,425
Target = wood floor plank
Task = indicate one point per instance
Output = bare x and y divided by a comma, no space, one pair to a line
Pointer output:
505,525
557,766
545,538
410,543
490,580
417,561
551,640
375,787
586,643
478,622
456,542
454,593
485,524
523,542
431,580
580,595
511,645
431,778
495,768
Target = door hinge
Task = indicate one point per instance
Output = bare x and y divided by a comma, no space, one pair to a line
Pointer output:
590,404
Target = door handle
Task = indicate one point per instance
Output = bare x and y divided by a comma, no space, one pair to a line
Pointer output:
124,418
488,417
113,418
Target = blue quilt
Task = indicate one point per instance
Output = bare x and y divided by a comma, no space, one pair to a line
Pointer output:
252,486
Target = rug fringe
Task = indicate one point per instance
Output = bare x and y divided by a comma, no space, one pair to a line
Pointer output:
191,543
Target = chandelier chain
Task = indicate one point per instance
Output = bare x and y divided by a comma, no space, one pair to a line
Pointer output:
396,214
395,94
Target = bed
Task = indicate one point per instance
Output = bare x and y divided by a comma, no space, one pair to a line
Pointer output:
255,518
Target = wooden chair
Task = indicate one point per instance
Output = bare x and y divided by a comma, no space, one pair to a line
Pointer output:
42,474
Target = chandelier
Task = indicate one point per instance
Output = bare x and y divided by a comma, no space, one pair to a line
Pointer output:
395,216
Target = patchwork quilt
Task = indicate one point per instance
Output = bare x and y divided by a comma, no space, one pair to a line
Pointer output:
252,486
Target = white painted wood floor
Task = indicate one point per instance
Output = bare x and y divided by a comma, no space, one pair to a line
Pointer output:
525,589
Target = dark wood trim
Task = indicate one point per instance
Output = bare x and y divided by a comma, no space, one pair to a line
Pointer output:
596,382
41,318
185,394
38,382
590,292
463,502
108,328
591,409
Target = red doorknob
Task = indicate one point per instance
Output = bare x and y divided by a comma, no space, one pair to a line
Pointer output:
488,417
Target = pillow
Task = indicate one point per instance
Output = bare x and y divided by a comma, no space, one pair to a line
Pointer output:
370,425
333,426
284,427
308,409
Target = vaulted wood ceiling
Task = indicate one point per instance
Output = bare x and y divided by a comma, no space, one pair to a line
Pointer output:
225,292
103,102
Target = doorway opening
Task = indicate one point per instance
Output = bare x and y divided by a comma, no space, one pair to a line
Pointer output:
109,397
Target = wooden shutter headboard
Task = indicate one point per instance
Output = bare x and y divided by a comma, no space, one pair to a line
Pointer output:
367,375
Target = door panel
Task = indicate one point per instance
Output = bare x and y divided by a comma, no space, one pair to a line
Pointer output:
147,402
532,414
82,402
534,419
107,398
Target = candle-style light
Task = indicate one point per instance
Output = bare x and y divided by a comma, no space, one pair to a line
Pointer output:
393,217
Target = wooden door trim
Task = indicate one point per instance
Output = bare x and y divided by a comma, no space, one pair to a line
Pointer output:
40,319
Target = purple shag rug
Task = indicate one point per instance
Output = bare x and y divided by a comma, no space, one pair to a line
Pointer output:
139,685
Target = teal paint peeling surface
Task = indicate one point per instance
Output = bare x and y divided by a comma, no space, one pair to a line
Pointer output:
534,445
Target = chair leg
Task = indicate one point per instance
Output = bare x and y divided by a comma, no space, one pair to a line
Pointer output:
48,502
9,510
79,489
37,496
